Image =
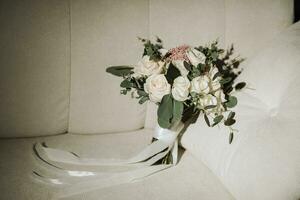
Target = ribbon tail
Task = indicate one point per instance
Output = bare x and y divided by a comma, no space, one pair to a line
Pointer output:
60,156
95,184
73,174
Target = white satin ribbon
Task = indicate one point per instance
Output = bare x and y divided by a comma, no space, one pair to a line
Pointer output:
73,174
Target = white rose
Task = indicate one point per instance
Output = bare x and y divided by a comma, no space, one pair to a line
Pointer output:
208,100
213,72
220,95
215,84
180,66
180,90
157,86
195,57
148,67
200,84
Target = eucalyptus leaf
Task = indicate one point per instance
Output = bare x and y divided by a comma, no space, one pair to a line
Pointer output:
231,115
158,39
216,75
240,86
209,107
206,120
214,55
225,80
120,70
126,83
142,93
195,71
217,119
143,99
232,101
124,92
230,137
229,122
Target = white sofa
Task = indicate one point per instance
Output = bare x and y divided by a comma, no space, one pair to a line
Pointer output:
53,88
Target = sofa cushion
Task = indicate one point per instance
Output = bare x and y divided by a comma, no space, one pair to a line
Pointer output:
104,33
35,66
190,179
263,161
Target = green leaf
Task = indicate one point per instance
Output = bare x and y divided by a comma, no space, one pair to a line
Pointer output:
163,123
230,137
142,93
201,67
187,66
229,122
143,99
165,111
232,101
209,107
240,86
126,83
177,110
231,115
172,73
206,120
158,39
124,92
216,75
195,72
225,80
119,70
217,119
214,55
152,50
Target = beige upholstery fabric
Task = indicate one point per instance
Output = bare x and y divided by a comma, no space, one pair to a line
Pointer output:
189,180
263,161
250,25
104,33
35,65
190,22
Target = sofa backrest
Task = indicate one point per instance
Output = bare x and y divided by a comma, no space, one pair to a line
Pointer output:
35,66
104,33
54,55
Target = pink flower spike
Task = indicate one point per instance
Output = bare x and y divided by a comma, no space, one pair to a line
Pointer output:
178,53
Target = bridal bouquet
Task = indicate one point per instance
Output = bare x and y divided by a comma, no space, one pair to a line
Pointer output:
184,82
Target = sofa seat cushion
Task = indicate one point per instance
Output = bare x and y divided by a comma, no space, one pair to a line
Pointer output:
190,179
